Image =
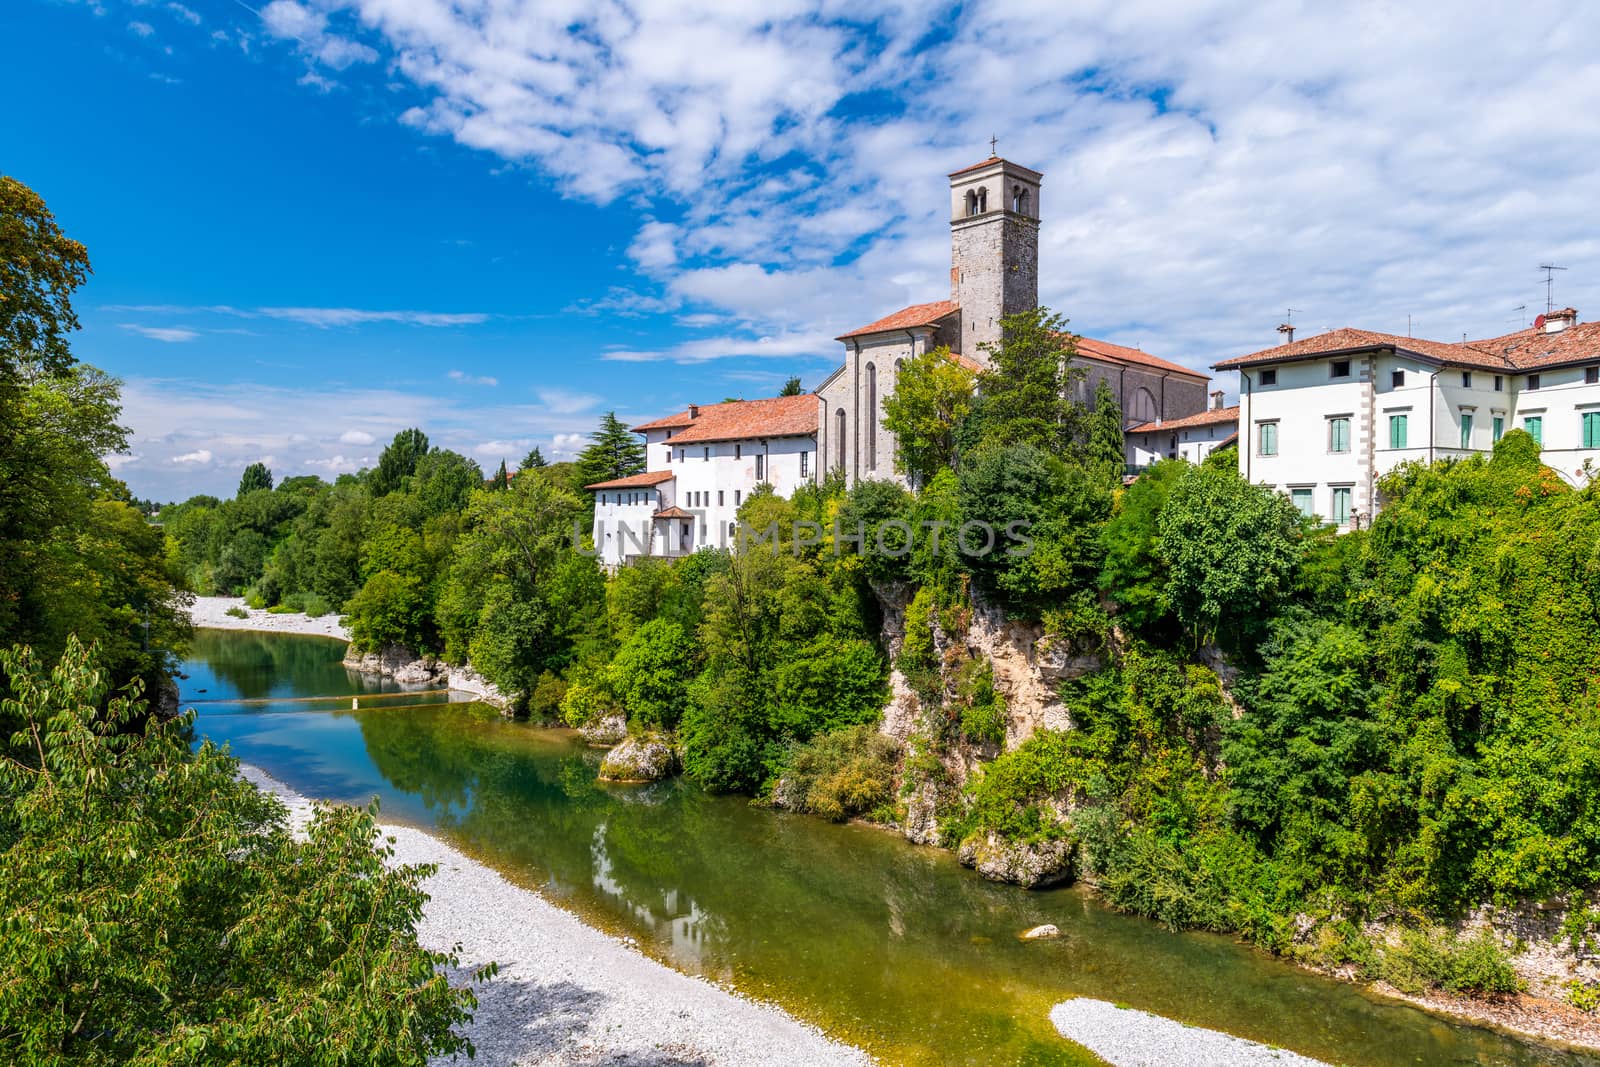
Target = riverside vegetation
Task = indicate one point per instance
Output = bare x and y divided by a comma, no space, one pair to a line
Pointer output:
1405,728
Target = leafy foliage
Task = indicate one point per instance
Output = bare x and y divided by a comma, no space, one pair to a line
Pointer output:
614,451
931,400
159,911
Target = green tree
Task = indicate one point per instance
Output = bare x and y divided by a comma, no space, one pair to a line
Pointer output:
932,398
444,481
651,673
614,452
502,477
256,476
1231,550
191,926
533,460
1025,394
398,461
40,268
1103,452
1134,576
791,387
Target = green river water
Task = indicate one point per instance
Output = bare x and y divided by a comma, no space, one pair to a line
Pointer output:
893,947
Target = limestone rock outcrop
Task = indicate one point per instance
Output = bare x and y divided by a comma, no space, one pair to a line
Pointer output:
1032,866
606,730
646,758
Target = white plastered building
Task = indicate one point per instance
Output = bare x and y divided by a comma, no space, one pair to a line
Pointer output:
1323,418
701,464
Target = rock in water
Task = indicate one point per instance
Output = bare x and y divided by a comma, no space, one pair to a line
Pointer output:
1031,866
640,759
606,730
1046,932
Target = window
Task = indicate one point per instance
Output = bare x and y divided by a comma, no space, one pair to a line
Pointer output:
1466,379
1144,406
680,455
838,435
1339,434
1301,498
761,468
1339,368
669,455
1341,505
1019,200
1533,381
719,498
736,494
707,451
1397,431
1466,429
872,421
1499,384
1497,428
805,464
1534,424
972,202
1591,429
1397,379
1270,376
738,451
1267,439
1591,376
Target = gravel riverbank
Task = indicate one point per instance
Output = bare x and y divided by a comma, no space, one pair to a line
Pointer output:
1126,1037
568,994
211,612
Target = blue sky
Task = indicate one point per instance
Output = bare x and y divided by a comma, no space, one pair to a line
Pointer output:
316,222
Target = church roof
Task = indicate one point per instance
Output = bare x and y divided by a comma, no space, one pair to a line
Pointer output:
906,319
1204,418
1482,354
991,161
1106,351
733,420
635,481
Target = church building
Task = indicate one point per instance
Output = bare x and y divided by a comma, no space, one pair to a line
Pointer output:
994,272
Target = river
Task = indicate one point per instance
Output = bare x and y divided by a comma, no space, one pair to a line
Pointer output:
893,947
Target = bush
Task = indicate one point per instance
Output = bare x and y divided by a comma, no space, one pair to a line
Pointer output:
1008,797
983,718
192,927
840,774
1427,957
237,612
315,606
281,609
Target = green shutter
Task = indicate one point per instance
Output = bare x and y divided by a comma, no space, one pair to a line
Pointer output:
1591,429
1534,424
1466,430
1339,435
1397,431
1341,506
1498,425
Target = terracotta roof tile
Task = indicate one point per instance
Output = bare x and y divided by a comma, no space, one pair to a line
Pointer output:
1105,350
991,161
635,481
673,512
1532,349
907,318
779,416
1480,354
1204,418
966,361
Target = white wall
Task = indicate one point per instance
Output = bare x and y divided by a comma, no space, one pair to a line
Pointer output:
1192,443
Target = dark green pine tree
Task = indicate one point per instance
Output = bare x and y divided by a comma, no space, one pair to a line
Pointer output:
791,387
1102,446
532,460
615,453
502,479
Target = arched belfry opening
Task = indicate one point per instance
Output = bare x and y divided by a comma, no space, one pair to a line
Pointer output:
1019,199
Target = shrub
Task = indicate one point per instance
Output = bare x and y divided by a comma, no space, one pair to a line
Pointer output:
236,612
315,606
281,609
651,672
192,927
1008,797
983,717
1426,957
840,774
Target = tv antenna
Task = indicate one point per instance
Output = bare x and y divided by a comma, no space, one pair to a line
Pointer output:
1549,285
1287,326
1522,315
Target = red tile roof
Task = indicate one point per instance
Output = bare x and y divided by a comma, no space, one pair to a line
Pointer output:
1204,418
635,481
967,361
673,512
780,416
991,161
907,318
1532,349
1471,354
1105,350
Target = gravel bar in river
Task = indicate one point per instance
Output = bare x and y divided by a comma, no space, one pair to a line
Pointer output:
1126,1037
568,994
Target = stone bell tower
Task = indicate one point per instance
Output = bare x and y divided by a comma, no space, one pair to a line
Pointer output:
994,248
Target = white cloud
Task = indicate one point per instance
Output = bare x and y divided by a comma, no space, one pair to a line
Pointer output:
186,14
201,456
169,334
286,19
323,317
565,401
141,29
1205,165
472,379
356,437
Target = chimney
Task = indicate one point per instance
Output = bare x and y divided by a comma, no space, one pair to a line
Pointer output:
694,411
1556,321
1287,329
1216,400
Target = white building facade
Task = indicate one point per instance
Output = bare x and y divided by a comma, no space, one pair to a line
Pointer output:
1192,437
701,464
1323,418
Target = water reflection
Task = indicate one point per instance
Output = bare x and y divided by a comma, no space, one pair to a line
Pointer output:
894,945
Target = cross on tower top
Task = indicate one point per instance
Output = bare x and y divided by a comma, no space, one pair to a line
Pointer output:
993,141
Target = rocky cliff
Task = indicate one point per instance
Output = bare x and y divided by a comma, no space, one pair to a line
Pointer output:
408,668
